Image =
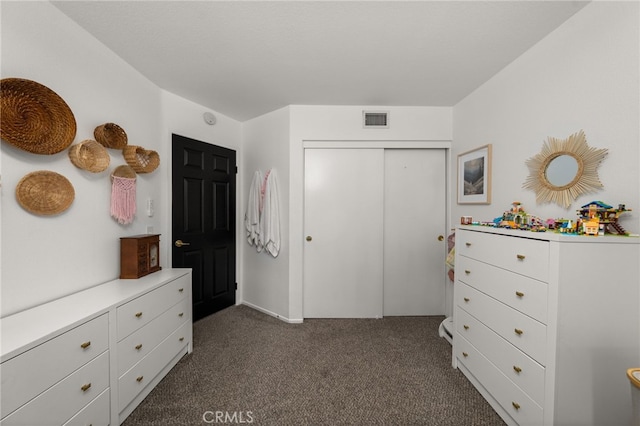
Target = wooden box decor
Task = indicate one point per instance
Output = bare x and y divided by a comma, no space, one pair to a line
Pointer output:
139,255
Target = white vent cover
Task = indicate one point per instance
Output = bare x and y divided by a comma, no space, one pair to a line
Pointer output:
375,119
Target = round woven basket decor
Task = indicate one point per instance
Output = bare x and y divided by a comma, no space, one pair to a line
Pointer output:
89,155
140,159
34,118
124,171
45,193
111,136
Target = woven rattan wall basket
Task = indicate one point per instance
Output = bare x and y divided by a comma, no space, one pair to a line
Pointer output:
140,159
110,135
34,118
90,155
45,193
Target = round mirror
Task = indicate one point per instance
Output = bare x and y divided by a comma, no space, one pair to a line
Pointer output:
562,170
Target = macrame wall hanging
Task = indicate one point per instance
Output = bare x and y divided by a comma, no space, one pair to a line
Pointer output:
123,194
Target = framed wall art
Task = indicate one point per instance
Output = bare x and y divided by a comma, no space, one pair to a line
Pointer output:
474,176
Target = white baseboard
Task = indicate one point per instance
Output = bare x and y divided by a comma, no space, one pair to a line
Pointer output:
273,314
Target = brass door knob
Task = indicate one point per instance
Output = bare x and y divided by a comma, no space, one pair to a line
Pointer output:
309,238
440,237
180,243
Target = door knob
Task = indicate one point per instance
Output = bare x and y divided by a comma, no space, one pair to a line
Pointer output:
179,243
309,238
440,237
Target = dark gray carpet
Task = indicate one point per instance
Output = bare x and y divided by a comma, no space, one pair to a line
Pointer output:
251,368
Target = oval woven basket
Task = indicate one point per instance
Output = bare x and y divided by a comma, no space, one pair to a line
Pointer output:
34,118
110,135
140,159
124,171
90,155
45,193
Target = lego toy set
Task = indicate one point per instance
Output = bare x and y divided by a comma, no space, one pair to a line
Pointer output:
594,218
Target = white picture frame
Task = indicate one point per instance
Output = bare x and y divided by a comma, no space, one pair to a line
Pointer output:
474,176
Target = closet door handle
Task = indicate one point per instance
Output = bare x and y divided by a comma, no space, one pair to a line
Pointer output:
180,243
309,238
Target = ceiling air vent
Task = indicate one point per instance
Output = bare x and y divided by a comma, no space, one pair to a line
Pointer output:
375,119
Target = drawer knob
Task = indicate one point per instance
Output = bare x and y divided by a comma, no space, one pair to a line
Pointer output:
181,339
139,378
517,369
466,271
85,345
138,315
518,331
466,327
515,405
464,354
520,256
519,294
181,290
85,387
467,244
466,299
139,346
181,314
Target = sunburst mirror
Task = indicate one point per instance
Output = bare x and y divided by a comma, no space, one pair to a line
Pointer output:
564,170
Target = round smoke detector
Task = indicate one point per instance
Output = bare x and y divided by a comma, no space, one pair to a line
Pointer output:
209,118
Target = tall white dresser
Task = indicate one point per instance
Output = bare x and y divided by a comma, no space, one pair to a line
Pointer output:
91,357
546,325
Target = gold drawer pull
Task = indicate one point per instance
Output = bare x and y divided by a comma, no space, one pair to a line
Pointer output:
139,346
466,299
139,378
181,339
85,387
181,314
181,290
517,369
515,405
466,327
519,294
85,345
467,244
464,354
518,331
520,256
466,271
138,315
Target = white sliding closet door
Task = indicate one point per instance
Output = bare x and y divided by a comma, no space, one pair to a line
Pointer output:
343,227
414,217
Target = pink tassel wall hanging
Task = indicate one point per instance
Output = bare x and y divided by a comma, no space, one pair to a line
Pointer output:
123,199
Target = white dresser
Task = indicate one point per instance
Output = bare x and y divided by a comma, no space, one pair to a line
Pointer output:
91,357
546,324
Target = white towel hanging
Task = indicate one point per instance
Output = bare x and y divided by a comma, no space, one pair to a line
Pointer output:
269,236
252,215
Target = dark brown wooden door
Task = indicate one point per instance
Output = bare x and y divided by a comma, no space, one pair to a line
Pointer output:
204,221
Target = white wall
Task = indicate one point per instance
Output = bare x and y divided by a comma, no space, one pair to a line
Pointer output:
265,280
584,75
44,258
344,123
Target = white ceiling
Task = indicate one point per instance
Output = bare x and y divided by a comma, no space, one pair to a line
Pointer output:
245,58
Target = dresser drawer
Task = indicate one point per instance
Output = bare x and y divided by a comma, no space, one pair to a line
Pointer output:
28,374
521,255
514,401
137,345
62,401
138,312
140,375
94,414
527,374
522,331
525,294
